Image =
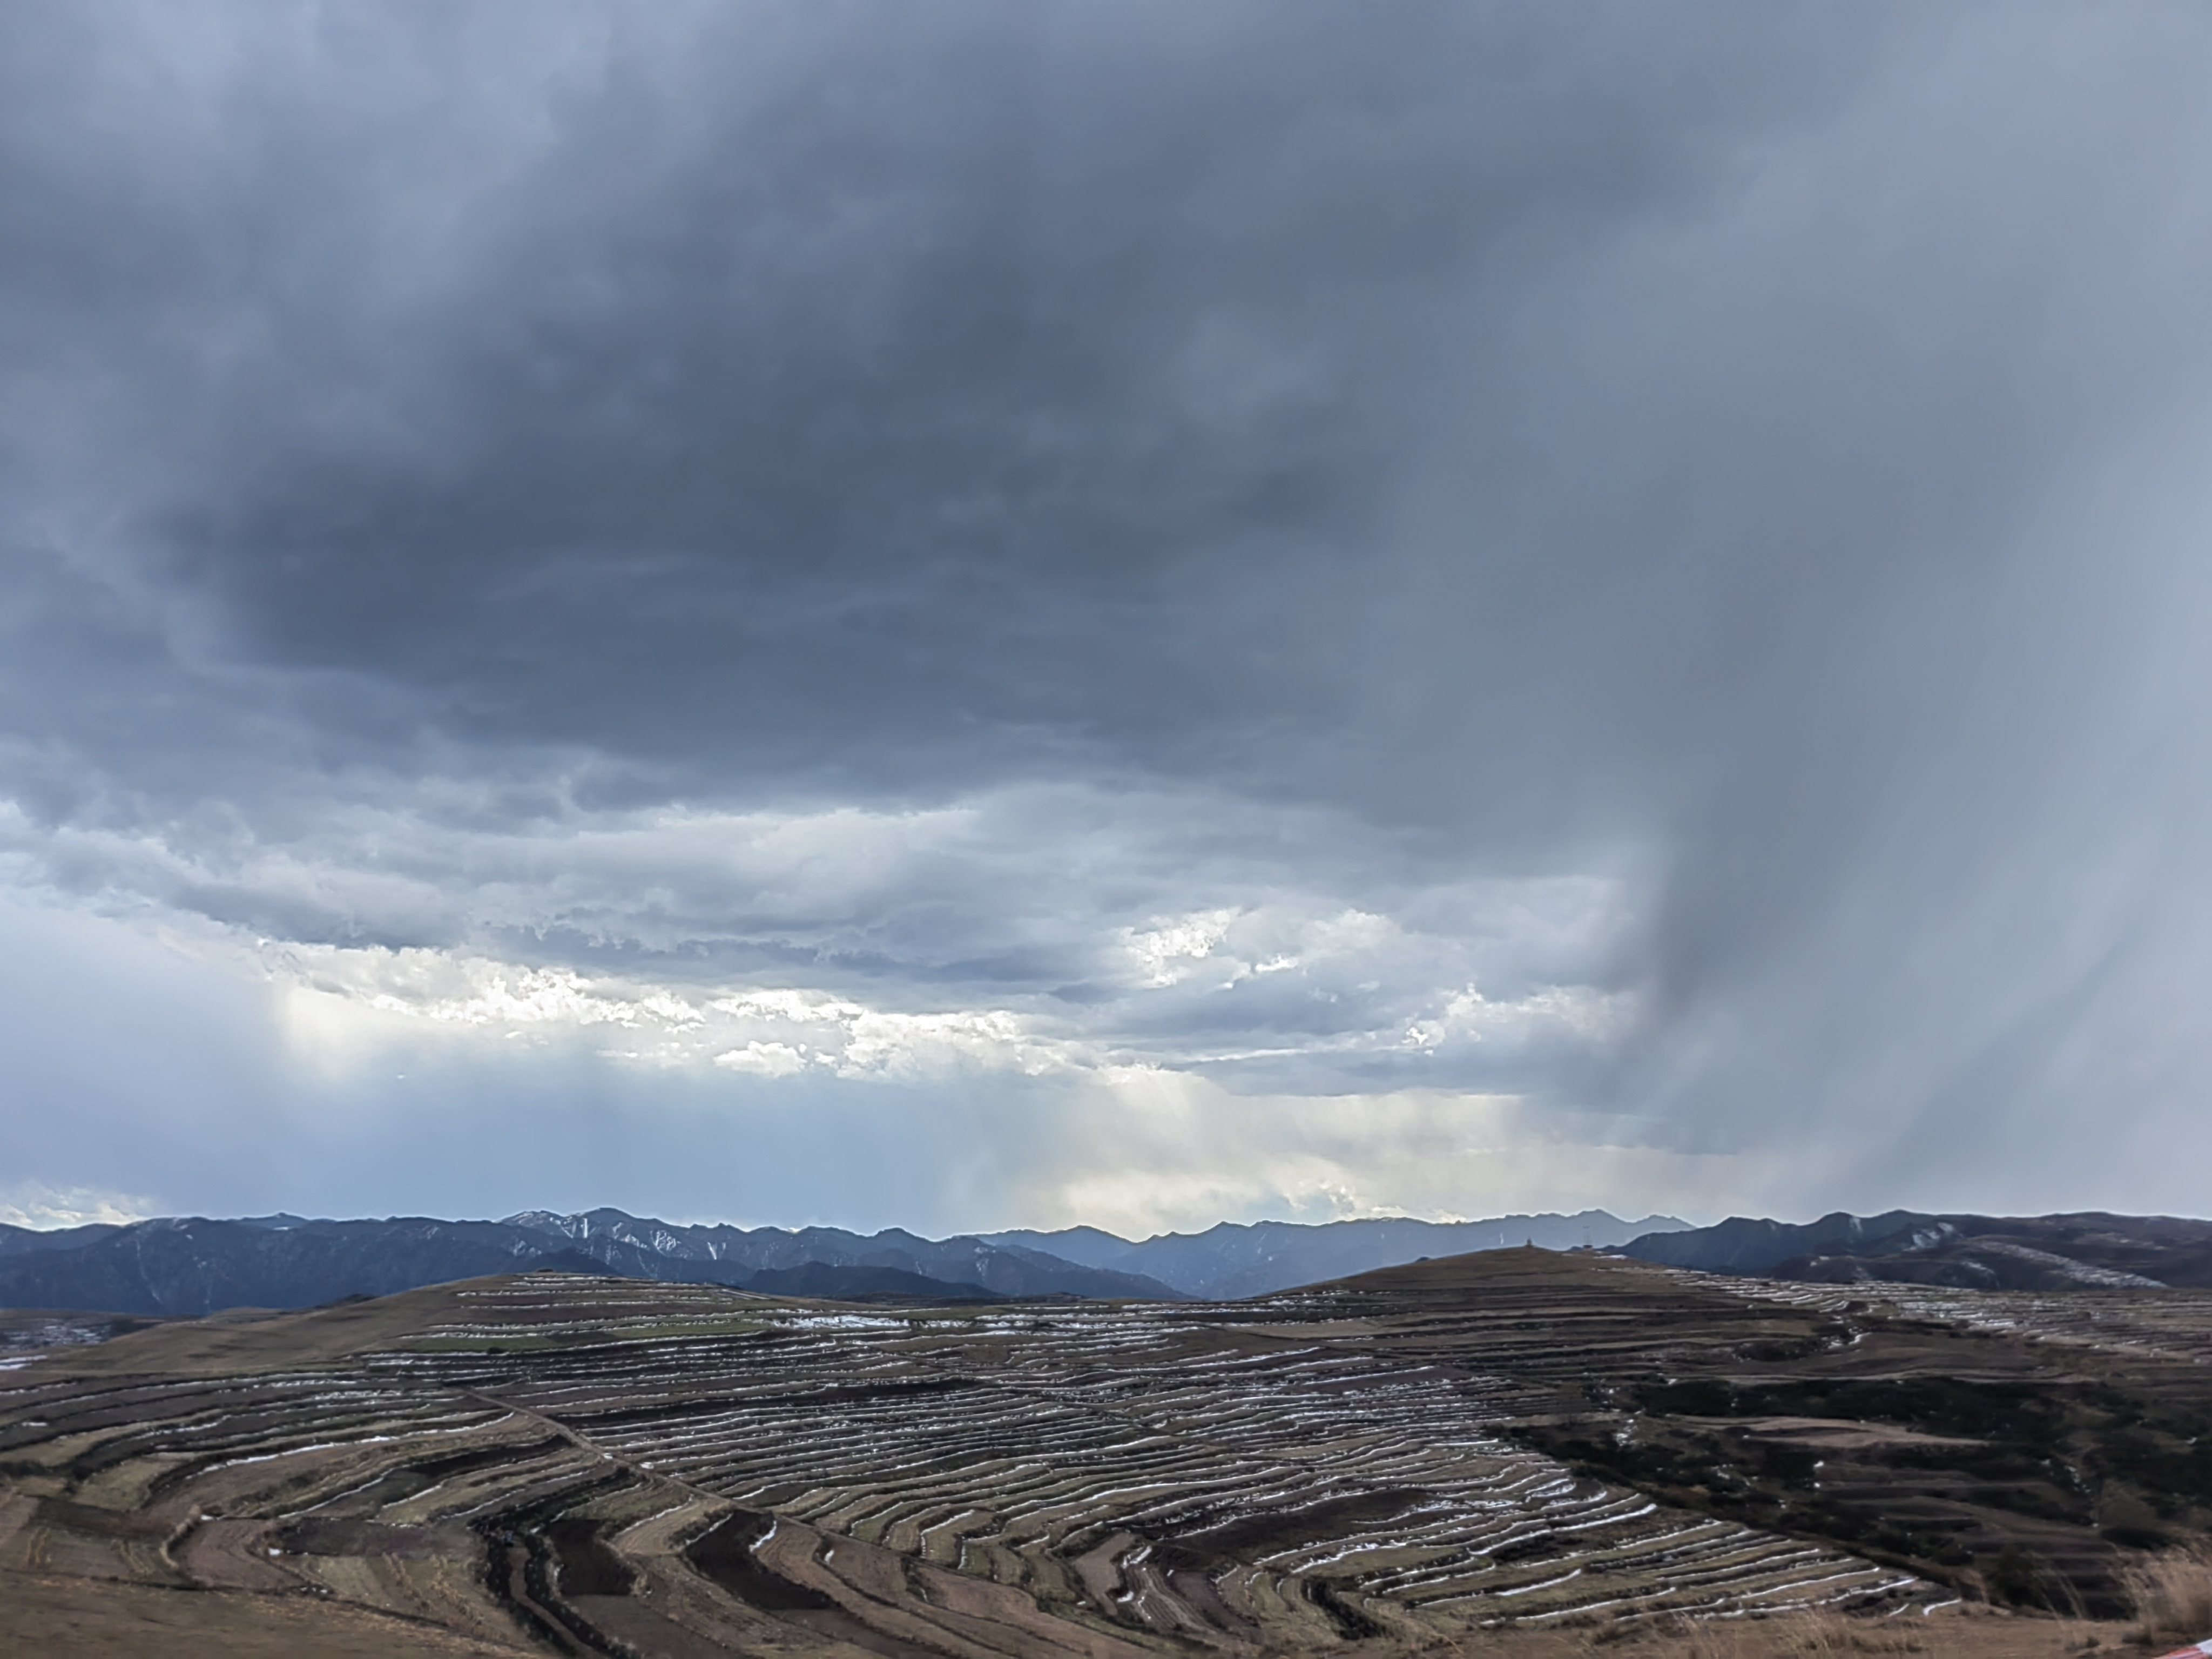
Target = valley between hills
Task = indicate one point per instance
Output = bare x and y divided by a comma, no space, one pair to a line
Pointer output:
1520,1451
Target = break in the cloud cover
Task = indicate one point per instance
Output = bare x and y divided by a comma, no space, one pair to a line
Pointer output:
977,614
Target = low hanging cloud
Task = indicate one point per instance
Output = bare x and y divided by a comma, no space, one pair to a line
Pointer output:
872,946
1600,605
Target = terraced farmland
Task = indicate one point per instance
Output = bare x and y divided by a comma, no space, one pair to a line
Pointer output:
551,1462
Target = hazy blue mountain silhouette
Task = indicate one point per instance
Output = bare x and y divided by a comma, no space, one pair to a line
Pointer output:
190,1265
1240,1259
2086,1249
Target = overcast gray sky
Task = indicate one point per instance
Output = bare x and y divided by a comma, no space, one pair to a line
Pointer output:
984,614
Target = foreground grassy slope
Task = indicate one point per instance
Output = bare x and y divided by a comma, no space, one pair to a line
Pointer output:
1518,1452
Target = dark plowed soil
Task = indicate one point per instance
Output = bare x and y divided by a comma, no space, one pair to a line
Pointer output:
584,1566
1350,1624
724,1553
99,1522
1256,1535
317,1536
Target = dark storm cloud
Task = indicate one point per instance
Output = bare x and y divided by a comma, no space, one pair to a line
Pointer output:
1309,468
834,377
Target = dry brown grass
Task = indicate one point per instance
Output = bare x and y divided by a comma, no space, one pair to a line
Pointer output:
1813,1636
2174,1595
101,1619
1956,1633
1793,1635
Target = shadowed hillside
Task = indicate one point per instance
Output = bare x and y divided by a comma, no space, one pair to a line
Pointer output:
1977,1252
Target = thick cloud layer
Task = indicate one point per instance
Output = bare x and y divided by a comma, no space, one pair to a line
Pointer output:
1018,613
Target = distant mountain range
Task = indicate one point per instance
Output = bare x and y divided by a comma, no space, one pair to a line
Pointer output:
192,1266
2087,1250
738,1256
1238,1259
189,1265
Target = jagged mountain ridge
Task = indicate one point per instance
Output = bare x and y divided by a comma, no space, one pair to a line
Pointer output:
2085,1249
719,1249
1241,1259
192,1265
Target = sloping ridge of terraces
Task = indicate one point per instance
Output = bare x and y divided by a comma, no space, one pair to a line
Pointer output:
2024,1448
606,1464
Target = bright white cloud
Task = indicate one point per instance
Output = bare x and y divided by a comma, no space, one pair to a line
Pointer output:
878,943
1352,987
950,950
34,1204
1574,1012
761,1059
1164,953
